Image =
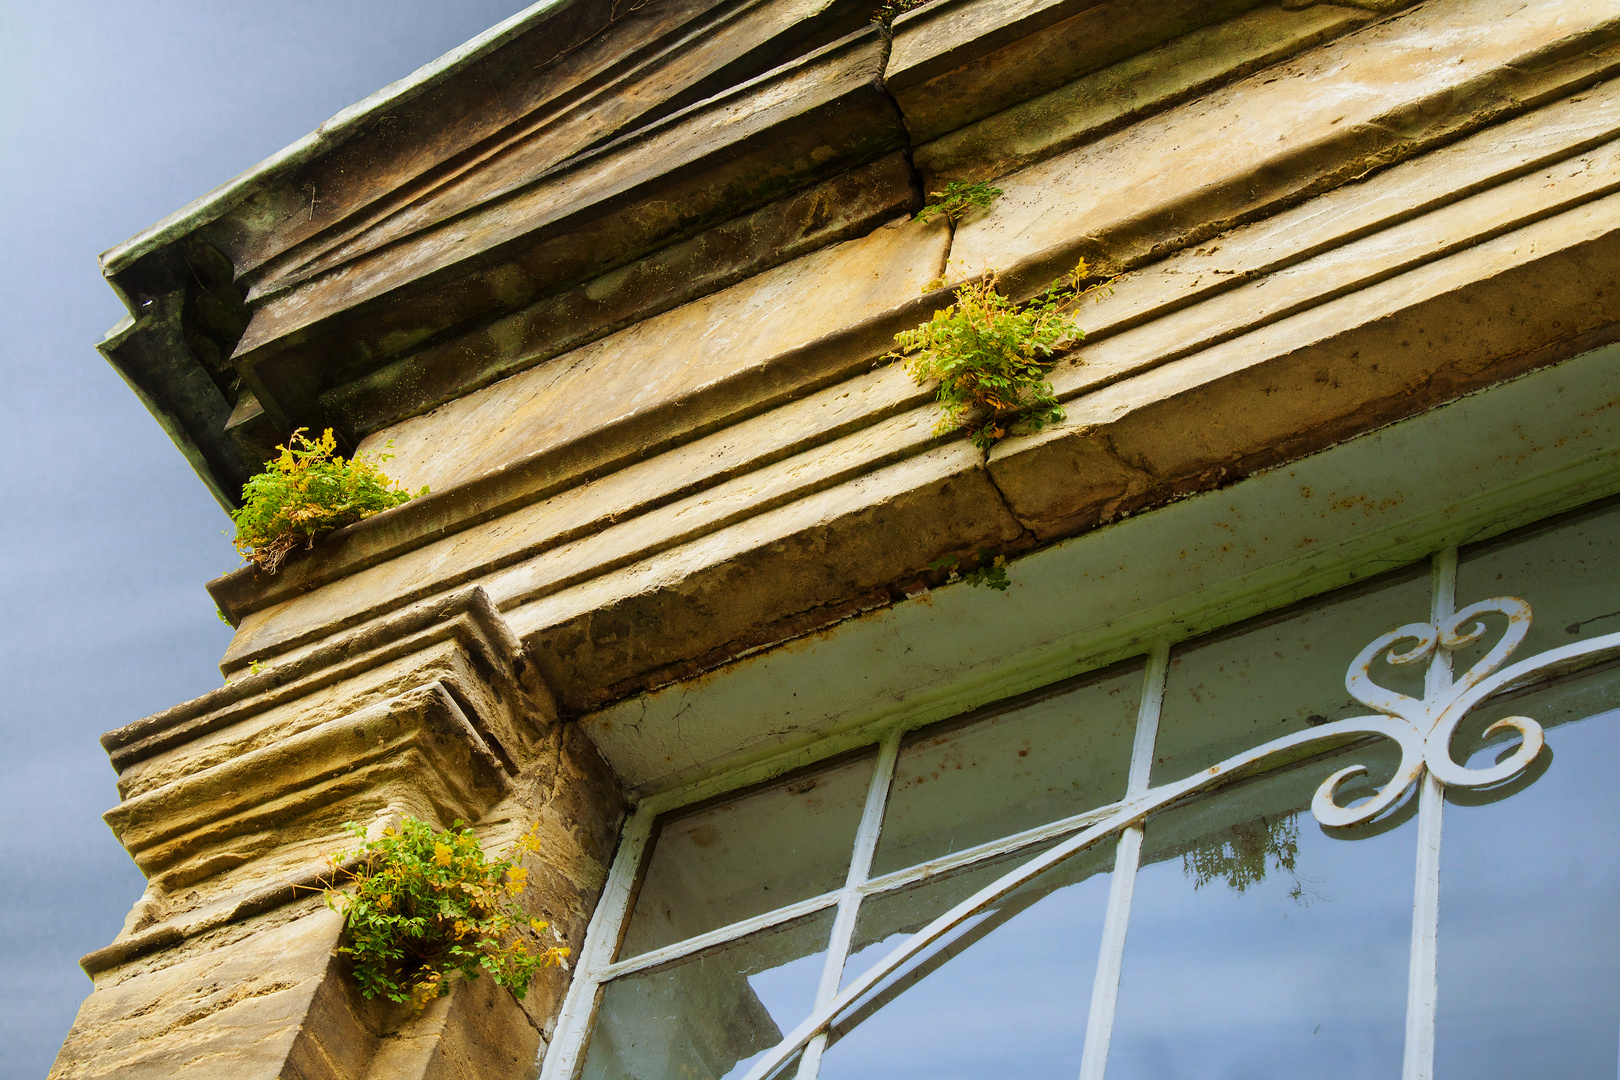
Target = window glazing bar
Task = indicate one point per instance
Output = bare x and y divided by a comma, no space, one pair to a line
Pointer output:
1122,887
562,1060
897,879
990,849
849,903
1423,985
889,882
719,936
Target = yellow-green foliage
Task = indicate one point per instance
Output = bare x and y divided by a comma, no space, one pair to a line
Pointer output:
424,905
304,493
958,199
889,10
989,570
989,355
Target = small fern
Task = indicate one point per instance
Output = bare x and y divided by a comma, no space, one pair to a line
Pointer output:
426,905
990,355
958,199
304,493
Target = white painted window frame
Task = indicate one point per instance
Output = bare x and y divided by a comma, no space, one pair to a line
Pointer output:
1421,728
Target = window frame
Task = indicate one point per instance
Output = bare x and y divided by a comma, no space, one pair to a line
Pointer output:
1499,512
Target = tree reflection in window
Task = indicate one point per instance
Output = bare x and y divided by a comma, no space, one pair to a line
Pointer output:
1240,854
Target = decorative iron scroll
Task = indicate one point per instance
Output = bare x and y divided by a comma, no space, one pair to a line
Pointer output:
1423,729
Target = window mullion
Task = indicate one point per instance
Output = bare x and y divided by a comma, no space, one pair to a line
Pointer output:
849,905
1423,986
1122,887
601,939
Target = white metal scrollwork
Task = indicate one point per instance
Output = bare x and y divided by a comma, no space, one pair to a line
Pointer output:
1422,728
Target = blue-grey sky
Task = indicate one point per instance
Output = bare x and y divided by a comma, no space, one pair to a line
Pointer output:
112,114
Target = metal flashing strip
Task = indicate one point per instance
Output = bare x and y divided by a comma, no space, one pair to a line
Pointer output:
334,132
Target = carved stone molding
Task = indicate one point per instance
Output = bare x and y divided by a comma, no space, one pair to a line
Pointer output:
232,804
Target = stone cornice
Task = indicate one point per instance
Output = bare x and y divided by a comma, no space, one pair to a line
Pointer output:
545,94
465,615
568,520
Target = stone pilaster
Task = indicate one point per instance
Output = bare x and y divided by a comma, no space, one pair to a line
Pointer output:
231,804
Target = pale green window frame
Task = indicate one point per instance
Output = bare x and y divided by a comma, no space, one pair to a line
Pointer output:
1586,472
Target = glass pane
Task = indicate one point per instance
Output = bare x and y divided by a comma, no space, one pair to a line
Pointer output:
710,1016
1568,570
1041,758
765,849
1260,946
1006,996
1530,887
1267,678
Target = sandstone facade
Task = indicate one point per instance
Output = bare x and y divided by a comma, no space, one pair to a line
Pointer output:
618,287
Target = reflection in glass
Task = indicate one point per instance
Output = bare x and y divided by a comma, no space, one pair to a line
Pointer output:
1529,895
1007,996
1233,691
709,1016
1062,752
762,850
1262,947
1567,569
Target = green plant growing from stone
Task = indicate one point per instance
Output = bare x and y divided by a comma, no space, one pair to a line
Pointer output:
990,570
989,356
958,199
890,10
305,492
423,906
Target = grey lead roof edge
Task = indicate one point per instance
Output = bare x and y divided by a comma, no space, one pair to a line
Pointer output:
332,133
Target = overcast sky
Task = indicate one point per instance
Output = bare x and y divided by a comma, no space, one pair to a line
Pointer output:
112,114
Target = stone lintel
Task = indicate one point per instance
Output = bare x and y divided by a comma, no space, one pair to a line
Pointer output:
1457,214
816,537
1192,426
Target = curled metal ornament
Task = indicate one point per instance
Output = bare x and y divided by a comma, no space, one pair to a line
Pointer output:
1423,728
1325,805
1434,718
